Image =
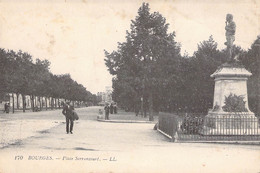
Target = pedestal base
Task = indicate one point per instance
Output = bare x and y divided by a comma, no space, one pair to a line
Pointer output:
230,123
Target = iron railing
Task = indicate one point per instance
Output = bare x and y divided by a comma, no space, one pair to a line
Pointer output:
205,128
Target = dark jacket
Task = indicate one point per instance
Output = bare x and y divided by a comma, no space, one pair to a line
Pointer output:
107,108
67,111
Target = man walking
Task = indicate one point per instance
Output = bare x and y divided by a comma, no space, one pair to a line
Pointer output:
68,112
111,108
107,109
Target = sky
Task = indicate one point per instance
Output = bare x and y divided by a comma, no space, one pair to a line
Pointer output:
73,35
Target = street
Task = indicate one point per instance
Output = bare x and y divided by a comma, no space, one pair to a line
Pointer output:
38,141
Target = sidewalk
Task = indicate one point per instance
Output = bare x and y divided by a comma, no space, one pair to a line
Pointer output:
16,127
19,126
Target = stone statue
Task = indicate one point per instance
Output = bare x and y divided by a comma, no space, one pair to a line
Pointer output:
230,33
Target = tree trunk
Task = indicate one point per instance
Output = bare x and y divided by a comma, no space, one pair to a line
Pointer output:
23,99
46,103
13,101
17,100
49,103
142,106
59,103
145,112
55,103
35,101
32,102
40,100
145,107
51,100
151,106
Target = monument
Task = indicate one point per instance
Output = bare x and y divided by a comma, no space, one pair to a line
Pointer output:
230,34
230,114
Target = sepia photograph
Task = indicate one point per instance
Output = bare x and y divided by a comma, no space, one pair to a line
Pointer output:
117,86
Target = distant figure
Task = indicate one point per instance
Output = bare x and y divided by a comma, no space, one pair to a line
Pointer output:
68,112
62,104
137,110
115,109
111,108
230,33
7,106
107,109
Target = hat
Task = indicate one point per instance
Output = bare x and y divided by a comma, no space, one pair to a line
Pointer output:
230,16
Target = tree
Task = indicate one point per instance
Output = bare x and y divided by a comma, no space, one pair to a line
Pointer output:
251,60
204,62
140,63
20,75
193,89
17,73
42,78
3,70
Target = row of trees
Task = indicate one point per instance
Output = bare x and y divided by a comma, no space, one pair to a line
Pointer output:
22,76
150,73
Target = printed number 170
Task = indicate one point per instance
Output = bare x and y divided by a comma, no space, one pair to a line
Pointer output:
18,158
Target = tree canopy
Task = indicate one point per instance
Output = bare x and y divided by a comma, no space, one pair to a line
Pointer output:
21,75
141,62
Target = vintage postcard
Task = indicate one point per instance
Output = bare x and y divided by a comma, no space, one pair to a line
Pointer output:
135,86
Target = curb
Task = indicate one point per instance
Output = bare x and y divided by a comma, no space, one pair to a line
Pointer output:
125,121
224,142
212,142
166,135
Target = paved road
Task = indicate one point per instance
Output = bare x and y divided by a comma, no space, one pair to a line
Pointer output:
95,146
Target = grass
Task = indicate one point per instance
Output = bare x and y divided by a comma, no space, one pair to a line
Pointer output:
122,115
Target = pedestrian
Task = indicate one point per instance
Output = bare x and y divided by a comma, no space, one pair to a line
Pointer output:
111,108
136,110
107,109
7,106
115,109
68,112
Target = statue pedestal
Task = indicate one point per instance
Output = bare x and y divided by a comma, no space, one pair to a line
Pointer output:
230,79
